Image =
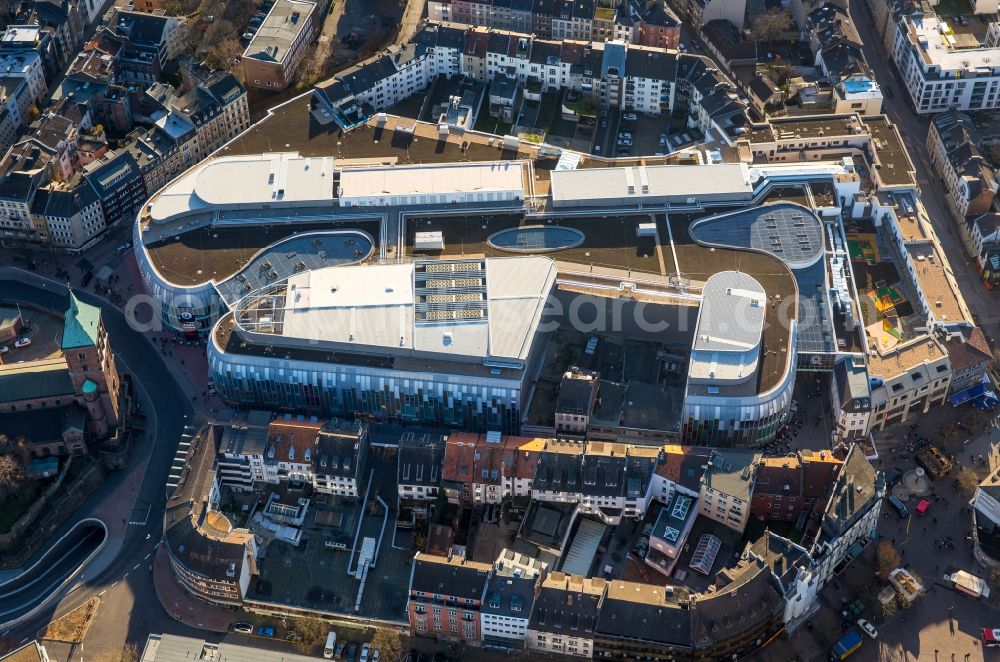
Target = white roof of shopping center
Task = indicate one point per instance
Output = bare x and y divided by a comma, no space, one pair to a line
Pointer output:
666,183
473,308
274,178
730,324
424,179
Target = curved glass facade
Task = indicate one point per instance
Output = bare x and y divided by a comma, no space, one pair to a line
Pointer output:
472,402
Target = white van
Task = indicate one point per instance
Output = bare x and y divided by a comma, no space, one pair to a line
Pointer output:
330,646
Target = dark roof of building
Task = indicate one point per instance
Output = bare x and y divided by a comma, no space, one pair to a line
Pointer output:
567,604
645,612
43,425
854,493
455,577
35,380
62,203
142,28
852,384
559,471
119,170
988,224
969,351
419,459
244,441
732,472
652,64
338,450
762,87
576,392
782,556
744,603
684,465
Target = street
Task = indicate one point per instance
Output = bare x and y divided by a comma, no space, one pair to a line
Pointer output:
984,305
129,607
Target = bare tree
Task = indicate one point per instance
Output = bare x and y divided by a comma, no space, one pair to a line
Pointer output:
313,631
770,25
389,644
11,474
222,54
887,558
967,481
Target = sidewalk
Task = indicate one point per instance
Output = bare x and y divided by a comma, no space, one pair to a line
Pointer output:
182,606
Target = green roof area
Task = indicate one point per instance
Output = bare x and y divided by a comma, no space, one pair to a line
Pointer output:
89,387
82,322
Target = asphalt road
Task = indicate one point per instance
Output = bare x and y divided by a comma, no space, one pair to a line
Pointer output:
23,593
167,409
913,129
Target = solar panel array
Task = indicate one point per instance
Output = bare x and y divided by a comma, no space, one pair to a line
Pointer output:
449,291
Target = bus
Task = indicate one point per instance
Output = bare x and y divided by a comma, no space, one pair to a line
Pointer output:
991,637
330,646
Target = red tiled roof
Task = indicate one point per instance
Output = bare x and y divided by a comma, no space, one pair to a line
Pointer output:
287,434
459,457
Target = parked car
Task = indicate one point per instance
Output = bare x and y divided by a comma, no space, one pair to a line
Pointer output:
663,140
352,652
22,342
868,628
624,142
888,92
124,247
256,21
243,628
376,653
265,631
630,117
340,649
597,149
604,122
247,36
366,650
87,277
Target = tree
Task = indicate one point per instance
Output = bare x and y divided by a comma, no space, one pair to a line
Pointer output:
887,608
887,558
313,631
967,481
770,25
173,7
11,474
389,644
222,54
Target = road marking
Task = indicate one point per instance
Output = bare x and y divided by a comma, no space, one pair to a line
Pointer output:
24,641
102,592
4,633
115,584
125,576
136,566
147,556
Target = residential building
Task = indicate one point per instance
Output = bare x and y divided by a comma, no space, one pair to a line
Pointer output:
117,180
194,124
565,612
340,459
72,214
850,393
850,516
669,533
907,380
509,599
418,473
242,447
700,12
275,52
970,358
985,235
643,620
149,41
727,486
658,26
165,647
986,517
793,488
942,69
446,597
578,391
953,142
291,445
24,168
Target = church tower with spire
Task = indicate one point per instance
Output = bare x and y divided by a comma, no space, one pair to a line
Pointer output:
91,365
